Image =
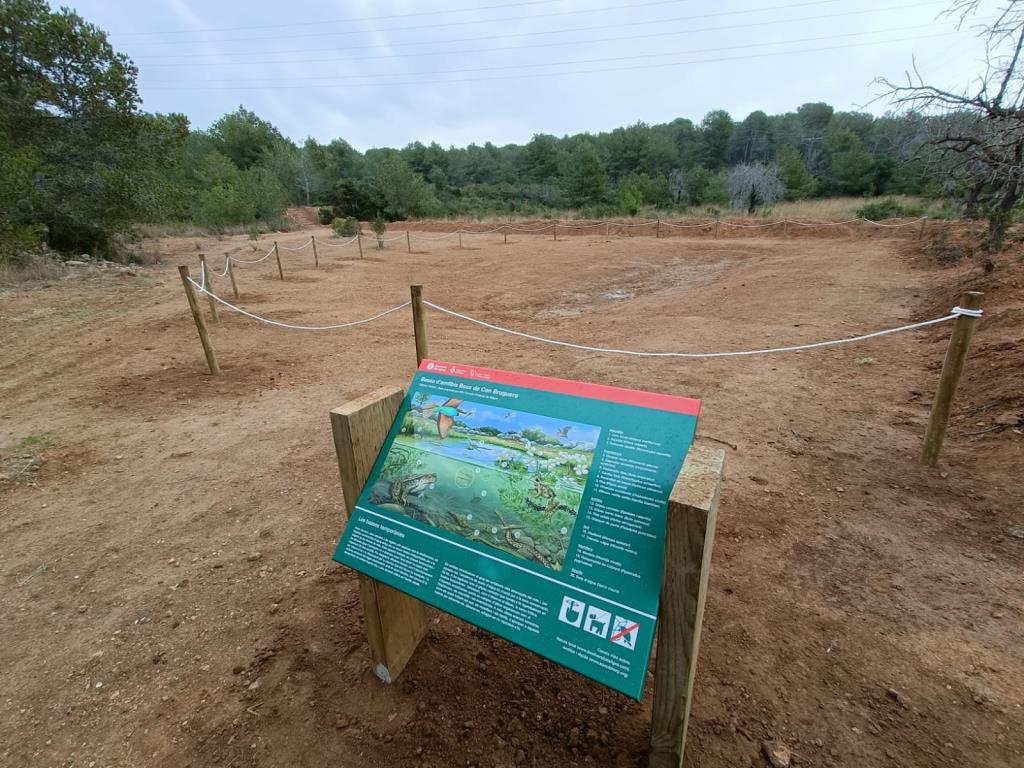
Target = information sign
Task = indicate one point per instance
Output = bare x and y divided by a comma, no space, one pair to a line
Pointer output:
532,507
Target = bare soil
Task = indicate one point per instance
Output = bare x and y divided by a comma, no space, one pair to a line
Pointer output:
168,597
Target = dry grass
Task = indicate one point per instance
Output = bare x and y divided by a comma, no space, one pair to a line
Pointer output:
29,270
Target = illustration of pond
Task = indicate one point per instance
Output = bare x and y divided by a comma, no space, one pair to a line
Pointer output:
508,479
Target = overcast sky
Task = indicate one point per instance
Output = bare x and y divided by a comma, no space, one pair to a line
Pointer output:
387,73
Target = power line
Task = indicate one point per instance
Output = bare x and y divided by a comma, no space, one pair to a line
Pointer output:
578,72
468,22
577,62
337,21
536,33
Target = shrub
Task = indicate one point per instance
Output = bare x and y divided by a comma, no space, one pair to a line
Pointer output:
890,208
379,227
326,215
345,227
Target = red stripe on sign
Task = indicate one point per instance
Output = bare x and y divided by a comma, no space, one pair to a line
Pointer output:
624,632
655,400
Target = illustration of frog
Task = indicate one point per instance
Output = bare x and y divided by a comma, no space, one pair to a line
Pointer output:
413,485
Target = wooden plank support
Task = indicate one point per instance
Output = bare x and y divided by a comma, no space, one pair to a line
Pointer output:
952,367
395,622
197,318
692,514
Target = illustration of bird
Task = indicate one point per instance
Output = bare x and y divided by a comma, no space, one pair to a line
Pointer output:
564,432
446,414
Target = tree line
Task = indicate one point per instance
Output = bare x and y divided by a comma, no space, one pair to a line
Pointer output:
83,163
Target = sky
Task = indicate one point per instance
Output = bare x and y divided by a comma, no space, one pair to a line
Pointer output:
379,73
508,420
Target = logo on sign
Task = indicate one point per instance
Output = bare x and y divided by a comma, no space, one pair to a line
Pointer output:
624,632
572,611
597,622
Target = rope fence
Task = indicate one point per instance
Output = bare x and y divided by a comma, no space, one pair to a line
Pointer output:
965,316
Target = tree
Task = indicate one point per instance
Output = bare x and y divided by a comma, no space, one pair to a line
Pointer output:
794,174
980,139
405,193
716,129
753,184
68,99
583,175
244,137
852,167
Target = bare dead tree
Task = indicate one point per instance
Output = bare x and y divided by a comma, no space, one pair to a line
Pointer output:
752,184
978,139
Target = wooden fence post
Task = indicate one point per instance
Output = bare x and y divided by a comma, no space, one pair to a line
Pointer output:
692,514
785,227
395,623
231,274
716,228
920,234
359,242
460,239
952,367
554,230
657,232
504,232
277,255
408,241
197,317
209,288
419,322
316,256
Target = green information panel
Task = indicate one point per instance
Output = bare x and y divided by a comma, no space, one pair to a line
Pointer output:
532,507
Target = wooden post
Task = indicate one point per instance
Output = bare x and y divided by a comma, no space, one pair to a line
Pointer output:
504,231
785,227
920,234
359,242
231,274
316,256
209,288
408,241
554,230
716,228
277,255
952,367
607,229
419,322
657,232
395,623
692,513
197,317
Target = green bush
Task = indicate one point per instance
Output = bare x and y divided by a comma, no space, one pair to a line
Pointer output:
346,227
889,208
326,215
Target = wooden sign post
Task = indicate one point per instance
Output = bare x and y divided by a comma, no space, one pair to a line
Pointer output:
395,622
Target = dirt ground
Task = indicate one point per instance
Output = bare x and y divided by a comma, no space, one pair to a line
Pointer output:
168,597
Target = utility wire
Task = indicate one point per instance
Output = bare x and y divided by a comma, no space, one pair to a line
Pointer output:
322,22
721,28
561,74
575,62
465,23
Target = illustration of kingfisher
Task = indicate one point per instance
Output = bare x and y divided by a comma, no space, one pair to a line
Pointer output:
447,412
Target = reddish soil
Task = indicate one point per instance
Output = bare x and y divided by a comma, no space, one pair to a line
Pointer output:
168,595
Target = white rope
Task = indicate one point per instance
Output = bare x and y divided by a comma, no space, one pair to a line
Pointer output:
689,226
339,245
227,260
265,256
967,312
753,226
300,248
279,324
744,353
384,239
